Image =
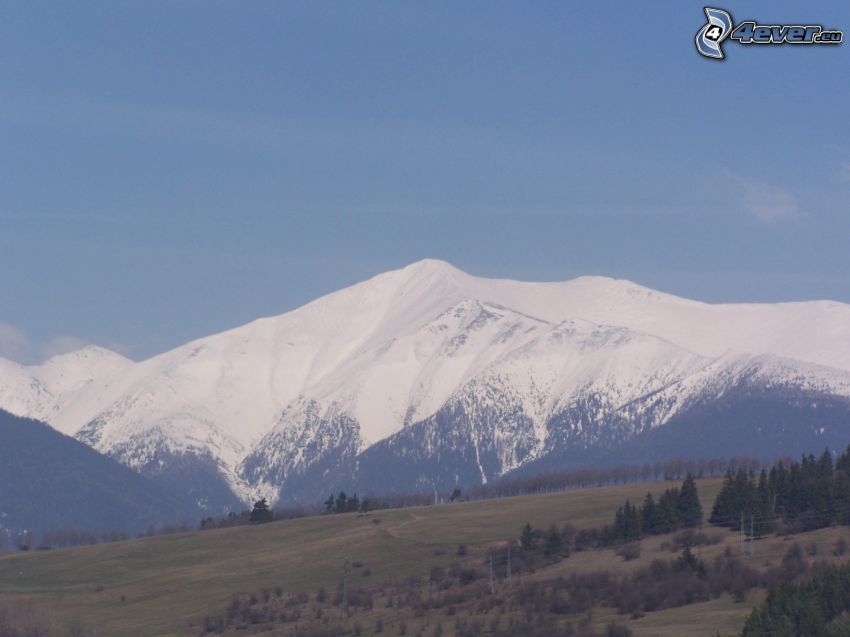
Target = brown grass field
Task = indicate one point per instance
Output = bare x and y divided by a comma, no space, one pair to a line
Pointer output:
166,585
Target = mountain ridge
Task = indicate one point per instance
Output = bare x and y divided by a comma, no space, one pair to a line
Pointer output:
261,403
82,489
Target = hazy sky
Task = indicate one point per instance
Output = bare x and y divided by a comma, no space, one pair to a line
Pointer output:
168,170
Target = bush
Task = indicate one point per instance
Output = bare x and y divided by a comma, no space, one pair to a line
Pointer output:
467,576
586,539
690,538
629,551
618,630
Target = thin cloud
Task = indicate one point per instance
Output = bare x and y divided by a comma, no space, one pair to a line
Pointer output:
14,344
62,345
765,202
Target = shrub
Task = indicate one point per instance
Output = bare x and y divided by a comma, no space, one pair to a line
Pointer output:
618,630
629,551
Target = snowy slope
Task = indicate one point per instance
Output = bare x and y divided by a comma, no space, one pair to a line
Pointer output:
44,391
268,400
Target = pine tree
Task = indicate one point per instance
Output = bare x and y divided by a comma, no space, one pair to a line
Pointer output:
628,526
648,515
762,510
809,494
841,496
842,462
554,541
668,508
527,538
778,481
261,512
353,503
744,493
822,501
723,510
618,532
689,508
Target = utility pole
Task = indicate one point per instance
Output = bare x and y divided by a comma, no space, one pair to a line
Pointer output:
492,583
509,563
751,533
345,589
742,532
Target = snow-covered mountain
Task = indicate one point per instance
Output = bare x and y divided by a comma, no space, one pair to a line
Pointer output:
427,376
43,391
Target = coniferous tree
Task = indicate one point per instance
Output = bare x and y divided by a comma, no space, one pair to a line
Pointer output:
804,608
527,538
353,503
668,511
649,515
723,509
676,508
261,512
689,510
842,462
626,523
554,541
841,496
822,502
809,494
761,513
778,482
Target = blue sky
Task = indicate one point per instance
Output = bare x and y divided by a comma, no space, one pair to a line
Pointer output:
169,170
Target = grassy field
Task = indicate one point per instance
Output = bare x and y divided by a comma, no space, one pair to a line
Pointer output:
165,586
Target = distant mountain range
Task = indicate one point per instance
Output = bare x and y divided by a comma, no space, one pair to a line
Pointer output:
427,377
51,482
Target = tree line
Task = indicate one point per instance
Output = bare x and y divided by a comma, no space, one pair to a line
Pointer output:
676,508
815,607
675,469
798,496
28,539
342,503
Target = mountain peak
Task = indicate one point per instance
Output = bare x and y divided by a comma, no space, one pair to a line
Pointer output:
430,270
440,268
431,264
87,352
